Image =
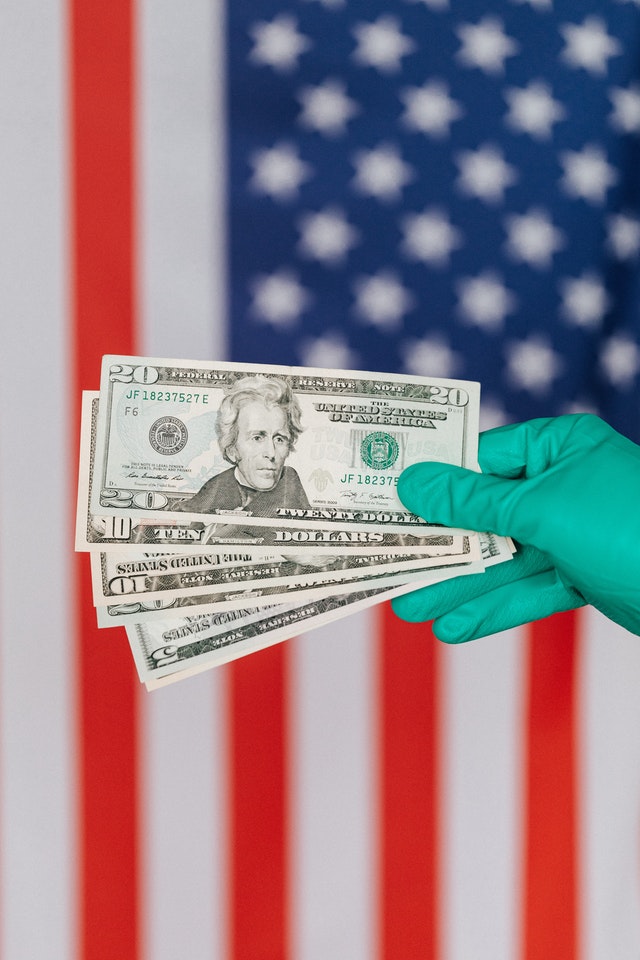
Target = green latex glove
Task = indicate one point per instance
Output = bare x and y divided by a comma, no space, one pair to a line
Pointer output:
567,490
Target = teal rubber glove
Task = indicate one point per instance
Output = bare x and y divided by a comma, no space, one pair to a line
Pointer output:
567,490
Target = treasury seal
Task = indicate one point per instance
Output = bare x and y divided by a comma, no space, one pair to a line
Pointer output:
168,436
379,450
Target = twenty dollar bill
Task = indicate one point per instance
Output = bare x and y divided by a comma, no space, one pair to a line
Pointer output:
264,445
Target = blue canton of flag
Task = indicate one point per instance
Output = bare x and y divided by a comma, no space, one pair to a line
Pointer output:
442,188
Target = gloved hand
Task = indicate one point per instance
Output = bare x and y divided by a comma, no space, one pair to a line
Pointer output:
567,489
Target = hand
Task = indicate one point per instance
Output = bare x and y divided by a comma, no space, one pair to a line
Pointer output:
567,490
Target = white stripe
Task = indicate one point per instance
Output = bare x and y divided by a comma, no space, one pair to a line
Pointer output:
181,216
482,795
182,178
610,782
37,481
333,790
183,817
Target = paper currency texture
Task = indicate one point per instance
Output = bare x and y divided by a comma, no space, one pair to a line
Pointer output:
140,531
263,445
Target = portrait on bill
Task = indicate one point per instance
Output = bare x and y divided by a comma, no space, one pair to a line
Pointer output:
258,423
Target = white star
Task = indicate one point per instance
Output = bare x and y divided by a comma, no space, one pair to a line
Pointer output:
330,351
430,357
532,238
532,364
584,300
492,414
433,4
381,172
381,44
430,237
381,299
430,109
279,298
326,108
484,173
278,43
326,235
533,110
588,45
587,174
578,406
620,360
624,235
279,171
484,300
485,45
542,4
626,108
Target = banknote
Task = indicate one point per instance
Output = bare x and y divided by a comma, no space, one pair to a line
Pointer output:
170,650
113,533
322,585
494,549
266,446
217,622
118,576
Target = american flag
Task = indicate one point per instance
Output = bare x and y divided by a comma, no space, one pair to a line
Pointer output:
427,186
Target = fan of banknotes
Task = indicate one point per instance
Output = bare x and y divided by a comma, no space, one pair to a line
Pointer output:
227,507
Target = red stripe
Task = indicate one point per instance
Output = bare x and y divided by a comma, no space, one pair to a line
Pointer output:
550,919
101,107
409,680
259,754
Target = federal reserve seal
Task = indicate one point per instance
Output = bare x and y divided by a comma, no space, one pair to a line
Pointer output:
168,436
379,451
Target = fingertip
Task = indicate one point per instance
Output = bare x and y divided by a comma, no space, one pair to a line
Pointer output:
408,479
412,481
409,608
453,629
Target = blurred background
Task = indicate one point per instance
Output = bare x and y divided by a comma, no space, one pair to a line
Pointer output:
440,187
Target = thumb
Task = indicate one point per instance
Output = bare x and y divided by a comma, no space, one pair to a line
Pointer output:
455,497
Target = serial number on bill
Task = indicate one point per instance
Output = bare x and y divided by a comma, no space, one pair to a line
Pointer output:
370,479
167,396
